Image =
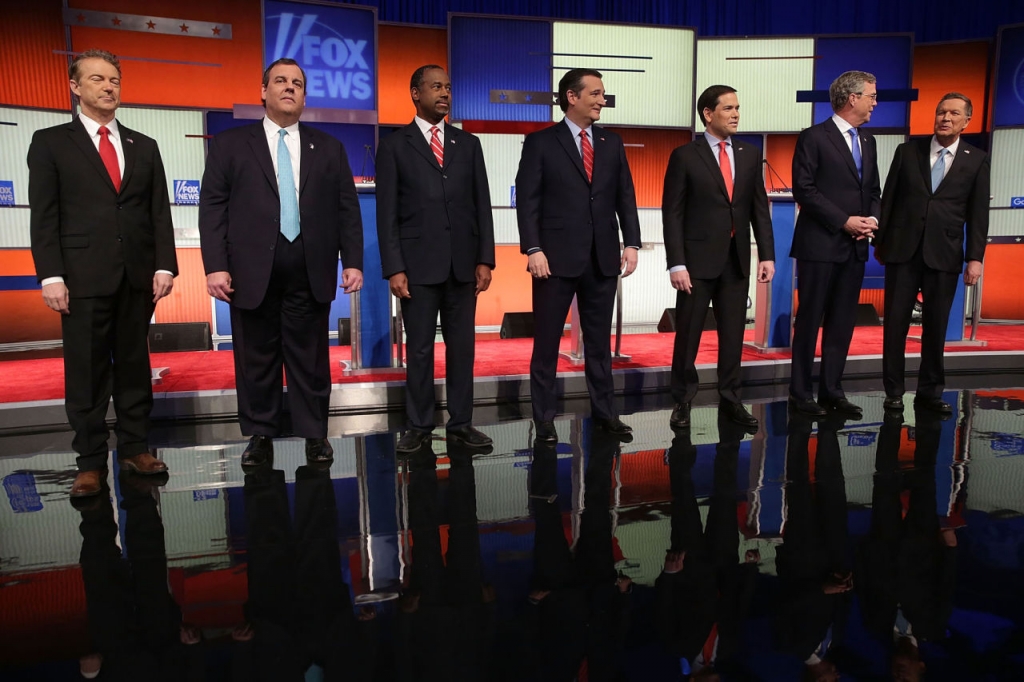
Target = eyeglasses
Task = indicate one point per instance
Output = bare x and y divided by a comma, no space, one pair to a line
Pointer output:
873,96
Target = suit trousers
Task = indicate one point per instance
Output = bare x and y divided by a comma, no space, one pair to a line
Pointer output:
106,353
288,328
552,298
902,282
828,296
728,294
456,302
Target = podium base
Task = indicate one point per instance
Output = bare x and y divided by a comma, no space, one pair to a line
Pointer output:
157,375
573,359
964,343
348,371
765,350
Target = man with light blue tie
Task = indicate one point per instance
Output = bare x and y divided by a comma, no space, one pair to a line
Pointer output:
935,187
836,184
277,206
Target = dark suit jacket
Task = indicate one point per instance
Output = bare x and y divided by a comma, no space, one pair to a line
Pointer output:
559,211
697,215
912,212
432,221
240,212
85,231
826,186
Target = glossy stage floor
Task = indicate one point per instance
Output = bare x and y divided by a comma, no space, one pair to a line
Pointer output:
887,542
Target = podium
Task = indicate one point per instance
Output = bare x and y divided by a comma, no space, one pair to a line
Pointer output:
773,308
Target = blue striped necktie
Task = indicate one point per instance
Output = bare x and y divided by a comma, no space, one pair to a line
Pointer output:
286,190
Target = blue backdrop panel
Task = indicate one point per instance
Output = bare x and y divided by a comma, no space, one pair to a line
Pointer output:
887,57
1009,104
498,54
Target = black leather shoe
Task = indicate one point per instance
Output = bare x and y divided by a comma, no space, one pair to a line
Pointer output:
470,437
680,418
893,403
412,440
807,407
546,432
259,452
319,451
737,413
842,405
615,426
934,404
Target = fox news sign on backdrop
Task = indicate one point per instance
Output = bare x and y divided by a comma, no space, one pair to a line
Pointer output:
336,45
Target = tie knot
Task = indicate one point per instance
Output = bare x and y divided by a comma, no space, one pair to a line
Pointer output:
852,132
283,133
104,130
434,131
583,134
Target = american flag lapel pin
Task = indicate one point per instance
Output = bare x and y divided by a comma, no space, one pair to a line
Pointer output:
311,146
131,141
967,151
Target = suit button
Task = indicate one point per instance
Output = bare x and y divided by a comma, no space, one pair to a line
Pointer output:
119,207
591,198
119,237
271,247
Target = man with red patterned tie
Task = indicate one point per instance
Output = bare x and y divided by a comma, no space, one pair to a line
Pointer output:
714,193
103,246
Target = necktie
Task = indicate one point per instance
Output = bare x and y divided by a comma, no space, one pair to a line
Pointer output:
109,156
286,190
723,163
855,148
939,170
435,145
588,155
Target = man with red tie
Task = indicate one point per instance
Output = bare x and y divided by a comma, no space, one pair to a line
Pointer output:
103,246
714,193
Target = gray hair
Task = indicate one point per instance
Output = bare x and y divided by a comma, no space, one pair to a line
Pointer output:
849,83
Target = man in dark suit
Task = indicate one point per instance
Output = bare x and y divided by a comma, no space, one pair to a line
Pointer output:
835,181
573,180
273,255
933,188
103,246
714,193
436,240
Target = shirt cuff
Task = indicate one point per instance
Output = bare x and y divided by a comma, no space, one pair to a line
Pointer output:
166,272
535,249
871,217
677,268
51,280
633,247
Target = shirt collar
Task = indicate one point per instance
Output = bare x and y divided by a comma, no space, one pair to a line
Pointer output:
575,129
425,125
844,125
714,141
272,128
93,127
936,146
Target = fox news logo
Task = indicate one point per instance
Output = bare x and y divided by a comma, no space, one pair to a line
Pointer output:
335,48
6,193
186,192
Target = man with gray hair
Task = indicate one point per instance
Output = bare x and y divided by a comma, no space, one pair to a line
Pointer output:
836,183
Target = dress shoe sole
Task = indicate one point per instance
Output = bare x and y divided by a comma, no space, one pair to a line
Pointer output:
945,409
809,411
90,493
478,445
409,449
135,469
679,424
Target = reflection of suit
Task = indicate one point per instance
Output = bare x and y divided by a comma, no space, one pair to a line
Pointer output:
449,634
584,616
698,217
714,589
903,563
435,225
921,242
574,221
107,246
815,539
830,263
283,290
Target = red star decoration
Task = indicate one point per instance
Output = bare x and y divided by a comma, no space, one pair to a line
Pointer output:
150,25
115,21
184,28
81,18
216,30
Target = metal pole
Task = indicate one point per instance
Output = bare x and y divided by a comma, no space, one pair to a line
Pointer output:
356,335
399,333
976,307
617,355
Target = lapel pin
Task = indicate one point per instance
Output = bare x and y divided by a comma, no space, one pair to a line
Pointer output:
311,146
739,149
131,141
967,151
602,139
451,141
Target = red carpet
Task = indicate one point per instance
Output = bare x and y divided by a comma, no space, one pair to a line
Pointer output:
31,380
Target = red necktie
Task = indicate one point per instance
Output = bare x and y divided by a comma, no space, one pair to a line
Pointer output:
726,167
588,155
435,145
109,156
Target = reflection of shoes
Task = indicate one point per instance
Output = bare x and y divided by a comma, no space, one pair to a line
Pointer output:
807,406
145,464
412,440
615,426
87,483
737,413
934,404
546,432
142,484
259,452
470,437
893,403
680,416
842,405
319,451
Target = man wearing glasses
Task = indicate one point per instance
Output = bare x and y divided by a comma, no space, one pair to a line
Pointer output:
836,184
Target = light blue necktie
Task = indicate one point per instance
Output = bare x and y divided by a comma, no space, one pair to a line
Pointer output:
855,148
286,189
939,170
